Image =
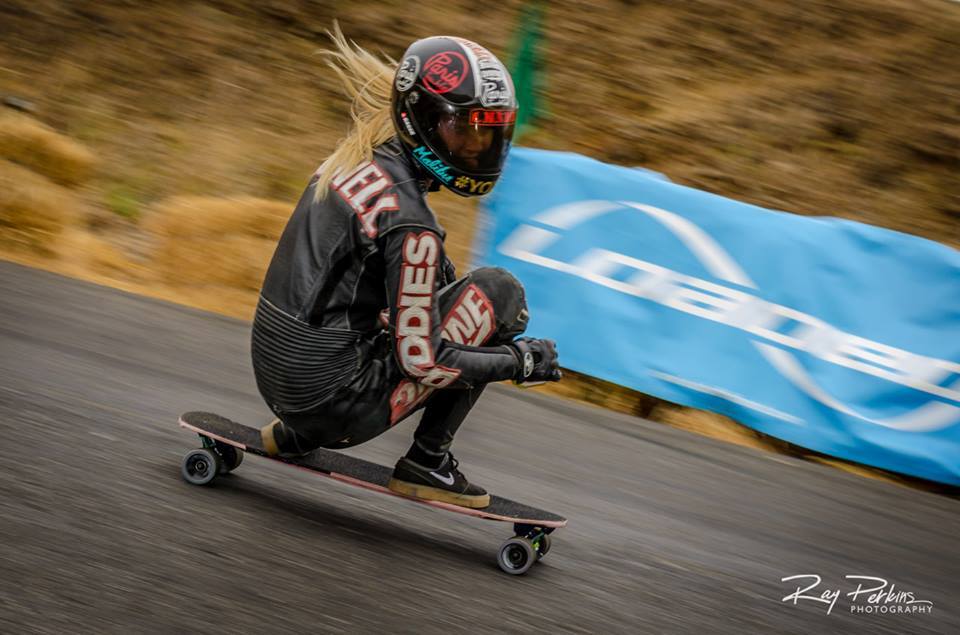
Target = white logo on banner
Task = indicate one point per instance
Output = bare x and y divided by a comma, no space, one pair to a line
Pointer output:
743,311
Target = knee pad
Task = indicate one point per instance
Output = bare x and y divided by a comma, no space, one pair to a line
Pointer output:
508,298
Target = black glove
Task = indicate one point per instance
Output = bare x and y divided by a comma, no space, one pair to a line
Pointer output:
538,360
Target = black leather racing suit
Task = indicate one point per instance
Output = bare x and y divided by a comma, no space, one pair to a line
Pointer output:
371,251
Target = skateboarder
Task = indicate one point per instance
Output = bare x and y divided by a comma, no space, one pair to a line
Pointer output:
361,319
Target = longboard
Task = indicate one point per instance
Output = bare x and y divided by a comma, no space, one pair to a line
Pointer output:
224,443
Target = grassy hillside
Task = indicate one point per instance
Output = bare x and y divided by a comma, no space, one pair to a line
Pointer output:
147,120
848,108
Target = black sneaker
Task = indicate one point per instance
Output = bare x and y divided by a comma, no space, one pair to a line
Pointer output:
445,483
280,440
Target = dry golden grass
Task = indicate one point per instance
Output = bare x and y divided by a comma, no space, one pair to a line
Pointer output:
602,393
33,145
210,241
711,424
232,261
88,253
209,217
223,299
33,210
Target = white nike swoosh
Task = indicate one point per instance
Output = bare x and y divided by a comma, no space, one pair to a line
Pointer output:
448,479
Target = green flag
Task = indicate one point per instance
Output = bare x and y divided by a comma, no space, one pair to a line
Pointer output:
526,66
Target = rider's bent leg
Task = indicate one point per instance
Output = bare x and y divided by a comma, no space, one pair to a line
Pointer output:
446,409
428,470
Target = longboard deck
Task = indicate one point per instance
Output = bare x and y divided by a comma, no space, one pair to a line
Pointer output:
359,472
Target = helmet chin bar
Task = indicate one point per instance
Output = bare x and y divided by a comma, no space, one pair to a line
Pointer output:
450,177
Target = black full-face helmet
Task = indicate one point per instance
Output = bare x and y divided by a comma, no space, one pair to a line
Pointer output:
454,109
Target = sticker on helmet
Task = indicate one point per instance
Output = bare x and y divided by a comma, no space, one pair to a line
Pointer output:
466,183
444,71
430,161
408,125
407,73
496,87
480,117
494,91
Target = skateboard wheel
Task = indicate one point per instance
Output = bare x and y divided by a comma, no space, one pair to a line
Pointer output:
543,546
200,467
231,457
516,556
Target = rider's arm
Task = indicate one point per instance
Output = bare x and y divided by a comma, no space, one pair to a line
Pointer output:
414,259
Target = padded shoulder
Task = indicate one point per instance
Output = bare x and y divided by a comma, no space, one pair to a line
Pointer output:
386,193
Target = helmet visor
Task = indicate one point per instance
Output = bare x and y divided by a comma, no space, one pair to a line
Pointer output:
472,139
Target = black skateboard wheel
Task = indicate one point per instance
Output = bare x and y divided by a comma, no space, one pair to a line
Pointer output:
232,457
516,556
200,467
542,545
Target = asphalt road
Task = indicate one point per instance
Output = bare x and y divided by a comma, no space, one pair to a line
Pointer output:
669,532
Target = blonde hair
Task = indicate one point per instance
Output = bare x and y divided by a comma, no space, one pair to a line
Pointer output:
368,81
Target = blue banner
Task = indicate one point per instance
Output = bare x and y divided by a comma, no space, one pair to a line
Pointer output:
834,335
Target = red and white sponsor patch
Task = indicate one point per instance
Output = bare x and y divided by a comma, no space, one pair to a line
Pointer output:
418,275
362,189
471,319
406,396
